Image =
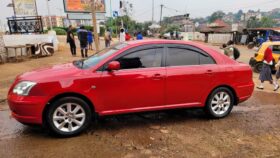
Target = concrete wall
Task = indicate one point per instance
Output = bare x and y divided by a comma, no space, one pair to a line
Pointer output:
196,36
219,38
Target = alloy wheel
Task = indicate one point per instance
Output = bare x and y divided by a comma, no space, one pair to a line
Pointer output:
220,103
69,117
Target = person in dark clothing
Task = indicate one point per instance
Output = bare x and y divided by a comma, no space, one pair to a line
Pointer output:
83,37
71,40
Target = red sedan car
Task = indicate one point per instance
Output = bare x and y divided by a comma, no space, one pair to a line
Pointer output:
130,77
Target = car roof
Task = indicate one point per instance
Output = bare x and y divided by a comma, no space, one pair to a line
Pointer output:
163,41
271,43
220,58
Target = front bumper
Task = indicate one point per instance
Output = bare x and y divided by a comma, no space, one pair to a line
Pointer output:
252,62
27,109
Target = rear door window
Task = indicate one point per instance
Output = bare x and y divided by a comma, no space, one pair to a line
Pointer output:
205,59
181,57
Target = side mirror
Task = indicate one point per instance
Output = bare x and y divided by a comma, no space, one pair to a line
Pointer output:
114,65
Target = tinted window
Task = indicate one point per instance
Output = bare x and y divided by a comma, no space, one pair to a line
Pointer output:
276,49
96,58
179,56
205,59
141,59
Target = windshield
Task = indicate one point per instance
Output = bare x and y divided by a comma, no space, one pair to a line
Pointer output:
99,56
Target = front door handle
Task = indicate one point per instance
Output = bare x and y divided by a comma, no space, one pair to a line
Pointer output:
157,77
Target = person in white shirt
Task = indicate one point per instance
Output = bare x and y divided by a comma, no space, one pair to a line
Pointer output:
122,35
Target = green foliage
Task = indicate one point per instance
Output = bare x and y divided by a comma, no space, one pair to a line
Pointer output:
267,22
89,28
59,31
102,31
253,22
216,15
115,24
172,28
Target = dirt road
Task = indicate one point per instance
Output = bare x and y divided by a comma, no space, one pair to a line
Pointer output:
252,130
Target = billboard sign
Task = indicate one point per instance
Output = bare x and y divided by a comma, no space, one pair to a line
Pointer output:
83,6
25,7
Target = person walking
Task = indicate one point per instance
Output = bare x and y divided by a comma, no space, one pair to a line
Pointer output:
233,53
277,66
122,35
71,40
107,38
139,36
83,37
265,74
90,40
225,49
127,36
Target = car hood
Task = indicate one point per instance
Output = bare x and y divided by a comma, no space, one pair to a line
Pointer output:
51,73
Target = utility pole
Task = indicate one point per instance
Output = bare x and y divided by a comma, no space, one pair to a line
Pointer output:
161,6
111,15
96,37
14,8
153,11
50,18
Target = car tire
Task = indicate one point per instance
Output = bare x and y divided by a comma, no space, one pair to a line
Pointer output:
250,45
258,67
68,116
220,103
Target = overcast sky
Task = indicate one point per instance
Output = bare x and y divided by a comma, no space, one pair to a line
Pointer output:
143,8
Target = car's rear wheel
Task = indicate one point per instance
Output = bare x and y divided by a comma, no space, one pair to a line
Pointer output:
219,103
68,116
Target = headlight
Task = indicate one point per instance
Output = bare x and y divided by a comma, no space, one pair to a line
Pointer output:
23,88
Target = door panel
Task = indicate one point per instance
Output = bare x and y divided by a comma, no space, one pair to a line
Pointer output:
126,89
190,73
187,84
139,83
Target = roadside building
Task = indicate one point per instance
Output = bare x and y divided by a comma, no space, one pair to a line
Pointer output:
185,25
252,14
229,18
221,32
57,21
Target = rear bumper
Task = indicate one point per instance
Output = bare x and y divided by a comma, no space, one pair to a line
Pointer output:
27,109
244,92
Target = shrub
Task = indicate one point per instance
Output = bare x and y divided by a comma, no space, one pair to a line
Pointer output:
59,31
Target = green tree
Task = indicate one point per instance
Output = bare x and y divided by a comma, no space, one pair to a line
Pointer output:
115,24
238,15
172,28
216,15
253,22
267,22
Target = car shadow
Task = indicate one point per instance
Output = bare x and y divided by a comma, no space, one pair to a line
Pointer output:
134,120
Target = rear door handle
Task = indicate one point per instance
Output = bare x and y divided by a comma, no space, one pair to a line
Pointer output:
209,72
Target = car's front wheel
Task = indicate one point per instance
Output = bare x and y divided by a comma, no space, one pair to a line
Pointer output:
219,103
68,116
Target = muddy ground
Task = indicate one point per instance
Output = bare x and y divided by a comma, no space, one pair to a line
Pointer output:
252,130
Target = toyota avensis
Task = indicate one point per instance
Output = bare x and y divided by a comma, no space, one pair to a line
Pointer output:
130,77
